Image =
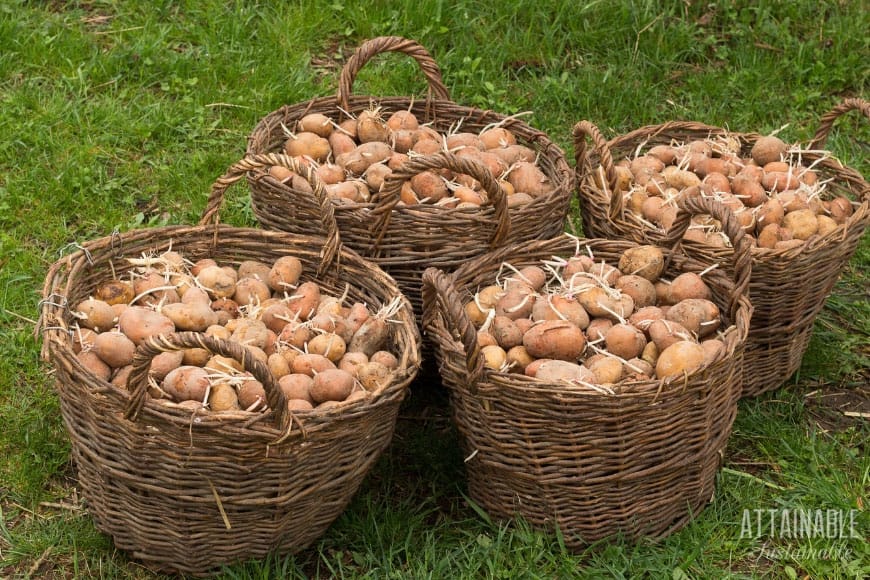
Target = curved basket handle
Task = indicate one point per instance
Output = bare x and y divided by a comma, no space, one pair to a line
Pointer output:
585,129
742,255
388,197
381,44
827,120
137,383
438,289
329,255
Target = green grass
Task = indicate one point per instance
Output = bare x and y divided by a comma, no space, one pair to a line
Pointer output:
119,114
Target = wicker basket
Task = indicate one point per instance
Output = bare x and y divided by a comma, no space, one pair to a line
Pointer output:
640,460
187,491
404,240
789,286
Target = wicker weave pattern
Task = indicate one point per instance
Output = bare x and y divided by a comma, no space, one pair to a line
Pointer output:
789,287
187,492
640,461
419,235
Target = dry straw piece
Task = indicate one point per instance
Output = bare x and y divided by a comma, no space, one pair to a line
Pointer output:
406,239
637,458
187,491
789,286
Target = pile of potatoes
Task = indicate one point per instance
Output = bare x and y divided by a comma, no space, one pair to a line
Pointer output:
777,200
353,158
590,322
320,352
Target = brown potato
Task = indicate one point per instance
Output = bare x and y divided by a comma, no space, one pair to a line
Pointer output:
664,333
296,386
803,223
555,339
304,300
195,317
688,285
95,314
186,383
94,364
682,357
115,292
641,290
252,395
139,323
114,349
645,261
767,149
696,315
506,333
560,370
494,356
607,370
311,364
328,344
223,398
374,376
625,341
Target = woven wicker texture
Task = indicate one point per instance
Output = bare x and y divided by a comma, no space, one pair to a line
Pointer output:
789,286
640,460
404,240
188,491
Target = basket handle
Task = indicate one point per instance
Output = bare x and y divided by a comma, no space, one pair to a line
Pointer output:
329,255
742,255
367,50
388,197
582,131
438,289
827,120
137,383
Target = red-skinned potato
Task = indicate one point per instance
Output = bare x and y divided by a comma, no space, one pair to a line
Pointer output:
139,323
297,386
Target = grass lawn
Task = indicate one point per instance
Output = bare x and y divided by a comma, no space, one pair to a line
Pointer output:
120,114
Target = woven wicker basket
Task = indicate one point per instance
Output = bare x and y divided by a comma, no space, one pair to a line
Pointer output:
640,461
404,240
187,491
789,286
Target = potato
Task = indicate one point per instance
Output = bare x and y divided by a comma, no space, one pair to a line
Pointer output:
768,148
278,365
304,300
307,144
311,364
365,155
770,212
527,177
351,361
485,338
250,332
597,329
295,334
664,333
696,315
296,386
494,357
223,398
186,383
826,225
252,395
840,209
516,303
224,364
518,358
625,341
374,376
557,307
644,261
251,290
637,369
115,292
607,370
641,290
772,234
114,349
370,126
316,123
328,344
556,339
560,370
299,405
386,358
600,303
95,314
165,362
152,288
94,364
429,186
194,317
779,181
83,339
749,191
803,223
643,317
682,357
506,333
712,349
688,285
140,323
650,354
217,281
276,316
284,274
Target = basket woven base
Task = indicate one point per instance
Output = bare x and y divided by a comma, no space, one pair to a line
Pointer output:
782,355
